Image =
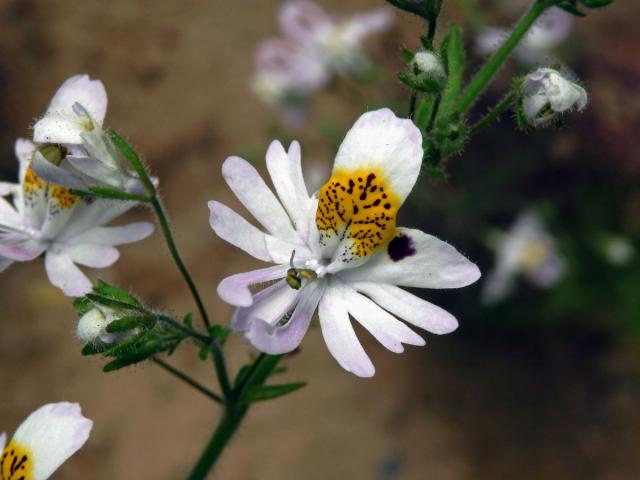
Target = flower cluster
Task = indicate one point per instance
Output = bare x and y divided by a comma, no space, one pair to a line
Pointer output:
44,216
313,48
338,251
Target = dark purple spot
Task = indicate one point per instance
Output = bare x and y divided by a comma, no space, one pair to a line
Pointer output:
401,247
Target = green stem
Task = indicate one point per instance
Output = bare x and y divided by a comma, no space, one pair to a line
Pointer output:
432,20
412,104
221,370
228,425
487,72
189,381
190,332
171,244
500,107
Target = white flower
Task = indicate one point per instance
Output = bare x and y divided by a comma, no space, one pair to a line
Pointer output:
619,250
92,326
546,93
338,42
46,218
429,63
350,259
43,442
527,249
549,31
74,120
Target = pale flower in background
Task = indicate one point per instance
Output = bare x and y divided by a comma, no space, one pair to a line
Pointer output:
73,122
618,250
45,218
350,258
547,93
338,41
527,249
536,48
43,442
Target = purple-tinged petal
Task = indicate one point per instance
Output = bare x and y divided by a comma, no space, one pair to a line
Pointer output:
65,275
235,289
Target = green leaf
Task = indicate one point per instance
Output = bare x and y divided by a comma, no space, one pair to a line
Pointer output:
138,353
452,54
596,3
94,348
112,193
219,333
572,9
111,291
204,351
133,159
268,392
82,305
188,320
407,55
129,323
111,303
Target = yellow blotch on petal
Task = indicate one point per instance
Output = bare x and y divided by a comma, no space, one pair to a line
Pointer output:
16,463
358,205
32,182
62,196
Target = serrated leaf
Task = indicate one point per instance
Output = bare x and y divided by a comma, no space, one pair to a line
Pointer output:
268,392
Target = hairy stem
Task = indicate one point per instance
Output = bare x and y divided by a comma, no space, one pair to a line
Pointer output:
494,113
488,71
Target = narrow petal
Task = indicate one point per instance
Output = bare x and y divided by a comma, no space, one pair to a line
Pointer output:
56,174
381,142
339,335
3,441
387,329
51,434
112,236
235,289
276,340
92,255
416,259
65,275
234,229
249,187
269,305
409,308
357,28
285,170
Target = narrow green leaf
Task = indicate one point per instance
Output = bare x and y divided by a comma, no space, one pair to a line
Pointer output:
129,323
111,291
111,303
269,392
219,333
139,353
572,9
82,305
452,54
188,320
204,351
93,349
133,159
407,55
596,3
114,194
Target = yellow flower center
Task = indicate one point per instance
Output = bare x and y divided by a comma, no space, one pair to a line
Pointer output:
357,205
533,255
33,185
16,463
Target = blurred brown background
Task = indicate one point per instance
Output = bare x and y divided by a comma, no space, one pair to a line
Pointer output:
177,76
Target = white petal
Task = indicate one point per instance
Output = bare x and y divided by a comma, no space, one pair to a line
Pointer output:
285,170
65,275
408,307
339,335
52,433
60,123
92,255
301,20
276,340
56,174
498,284
269,305
234,229
235,289
390,145
360,26
387,329
119,235
416,259
88,215
249,187
3,440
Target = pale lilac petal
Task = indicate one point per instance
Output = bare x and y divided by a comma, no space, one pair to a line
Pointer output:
276,340
357,28
339,335
409,308
56,174
112,236
234,229
65,275
302,20
269,305
52,434
235,289
387,329
498,284
416,259
92,255
245,181
285,170
381,142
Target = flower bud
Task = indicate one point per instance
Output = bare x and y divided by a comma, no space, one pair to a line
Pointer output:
92,327
546,93
429,63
